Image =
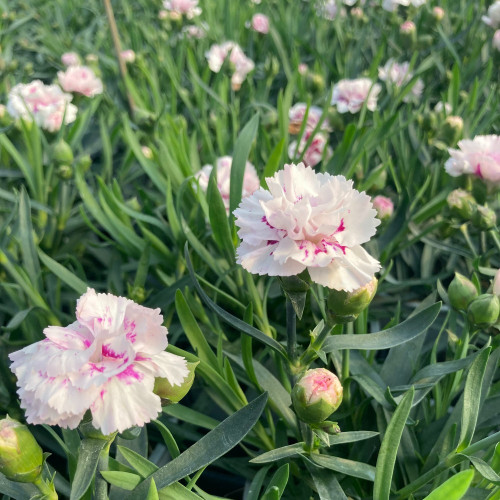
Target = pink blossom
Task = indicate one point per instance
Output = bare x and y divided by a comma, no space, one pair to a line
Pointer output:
321,384
399,75
308,220
493,17
128,55
407,28
105,362
302,68
46,105
217,55
296,116
260,23
193,31
70,59
314,152
188,8
384,207
496,40
250,178
350,95
80,79
242,66
479,156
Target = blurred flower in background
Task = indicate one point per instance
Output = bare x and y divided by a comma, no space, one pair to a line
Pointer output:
80,79
350,95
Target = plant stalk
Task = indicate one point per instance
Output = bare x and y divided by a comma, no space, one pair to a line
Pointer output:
101,486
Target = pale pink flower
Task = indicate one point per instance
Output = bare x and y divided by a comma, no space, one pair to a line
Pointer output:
260,23
242,66
496,40
46,105
217,54
493,17
193,31
308,220
188,8
314,152
128,55
479,156
70,59
399,75
296,116
384,207
302,68
250,179
105,362
80,79
350,95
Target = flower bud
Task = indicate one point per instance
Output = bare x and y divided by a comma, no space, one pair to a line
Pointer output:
484,218
21,458
83,163
64,172
384,207
461,292
62,153
174,393
316,395
438,13
462,204
408,33
137,293
343,307
147,152
484,310
451,129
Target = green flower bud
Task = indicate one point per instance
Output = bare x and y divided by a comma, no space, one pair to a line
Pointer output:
137,293
461,292
64,172
484,310
462,204
316,395
174,393
62,153
343,307
83,163
21,458
451,130
408,34
484,218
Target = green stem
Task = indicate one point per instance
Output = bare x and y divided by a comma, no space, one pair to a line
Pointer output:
46,489
345,374
291,330
101,486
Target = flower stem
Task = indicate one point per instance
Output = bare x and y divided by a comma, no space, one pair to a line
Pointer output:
46,489
291,330
101,486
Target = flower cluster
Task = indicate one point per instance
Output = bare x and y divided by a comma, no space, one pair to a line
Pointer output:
479,156
46,105
399,75
223,173
350,95
308,221
241,63
105,362
188,8
392,5
80,79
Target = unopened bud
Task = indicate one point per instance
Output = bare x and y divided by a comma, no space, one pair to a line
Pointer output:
408,33
137,294
344,307
452,129
21,458
384,207
316,395
484,310
484,218
357,13
461,292
462,204
315,81
64,172
174,393
438,13
147,152
84,163
62,153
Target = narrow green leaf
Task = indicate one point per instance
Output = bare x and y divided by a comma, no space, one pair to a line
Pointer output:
153,492
385,339
229,318
123,480
326,483
88,456
209,448
454,488
279,453
256,484
177,491
192,330
169,440
279,481
472,399
240,157
344,466
389,448
351,437
485,470
142,465
63,274
273,162
17,491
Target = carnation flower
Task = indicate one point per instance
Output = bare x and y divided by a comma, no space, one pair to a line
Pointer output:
496,40
105,362
296,116
479,156
70,59
493,17
193,31
250,178
80,79
188,8
242,66
46,105
260,23
399,75
349,95
384,207
308,221
314,153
